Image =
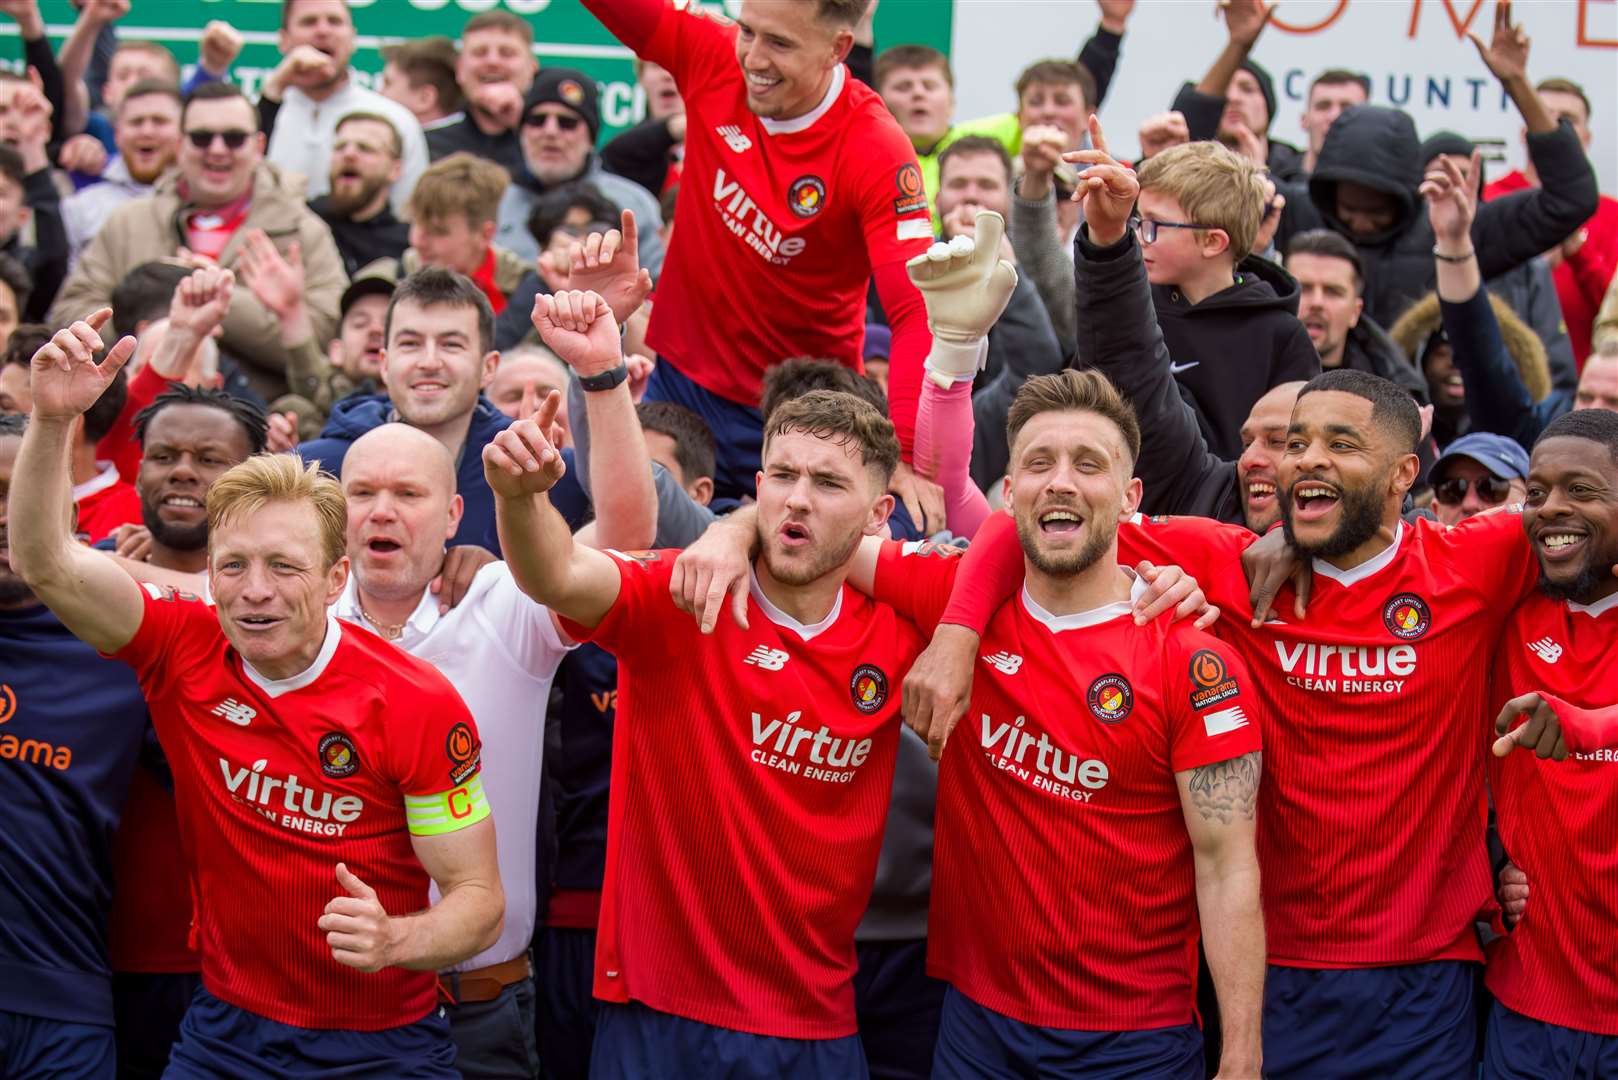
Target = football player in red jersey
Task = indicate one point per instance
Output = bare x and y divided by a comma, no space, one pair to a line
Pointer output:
1555,976
313,812
799,190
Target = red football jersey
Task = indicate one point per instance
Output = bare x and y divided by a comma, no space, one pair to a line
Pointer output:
277,782
751,771
779,224
1067,758
103,504
1371,812
1559,822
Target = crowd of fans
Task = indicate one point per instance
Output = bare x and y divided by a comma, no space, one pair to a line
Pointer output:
419,388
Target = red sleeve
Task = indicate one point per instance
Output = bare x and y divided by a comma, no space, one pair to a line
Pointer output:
1213,709
915,579
159,645
447,752
1585,730
643,601
1202,547
990,573
632,22
912,341
1492,551
118,445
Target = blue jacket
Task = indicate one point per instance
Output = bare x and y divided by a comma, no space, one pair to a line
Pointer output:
354,416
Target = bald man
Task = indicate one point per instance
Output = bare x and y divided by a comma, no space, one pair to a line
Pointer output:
500,649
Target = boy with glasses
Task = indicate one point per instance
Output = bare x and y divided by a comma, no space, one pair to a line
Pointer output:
222,193
1478,472
1229,317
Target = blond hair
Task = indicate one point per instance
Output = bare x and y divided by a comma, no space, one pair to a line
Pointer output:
461,183
267,478
1214,185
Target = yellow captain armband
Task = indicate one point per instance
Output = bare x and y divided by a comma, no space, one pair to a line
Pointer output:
447,811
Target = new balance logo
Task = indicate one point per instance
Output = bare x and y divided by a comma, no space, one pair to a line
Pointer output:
234,711
1003,662
767,658
1546,649
734,138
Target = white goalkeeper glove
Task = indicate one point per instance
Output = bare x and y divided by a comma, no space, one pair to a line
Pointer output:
965,285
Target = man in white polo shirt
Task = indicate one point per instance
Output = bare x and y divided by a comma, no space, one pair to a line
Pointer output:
497,646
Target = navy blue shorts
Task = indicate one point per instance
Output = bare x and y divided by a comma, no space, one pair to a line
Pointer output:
898,1006
218,1039
1521,1048
1411,1020
565,1014
637,1043
34,1048
738,430
977,1042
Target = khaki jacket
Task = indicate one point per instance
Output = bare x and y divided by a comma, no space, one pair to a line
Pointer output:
150,228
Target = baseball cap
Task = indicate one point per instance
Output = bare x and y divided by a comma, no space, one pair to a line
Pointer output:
373,279
570,88
1503,457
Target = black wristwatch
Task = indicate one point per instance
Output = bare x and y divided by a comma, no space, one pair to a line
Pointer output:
606,380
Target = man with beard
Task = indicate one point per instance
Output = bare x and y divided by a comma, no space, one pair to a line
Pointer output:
1362,684
1555,977
697,953
188,439
148,136
1165,802
365,167
561,119
312,89
65,762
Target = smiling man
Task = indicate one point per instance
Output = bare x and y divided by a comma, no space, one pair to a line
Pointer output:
1555,977
147,133
313,813
1365,678
808,191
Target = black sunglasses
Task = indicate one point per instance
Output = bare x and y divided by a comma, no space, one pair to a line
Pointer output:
564,123
1491,489
234,140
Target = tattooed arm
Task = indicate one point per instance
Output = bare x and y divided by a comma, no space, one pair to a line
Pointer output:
1220,803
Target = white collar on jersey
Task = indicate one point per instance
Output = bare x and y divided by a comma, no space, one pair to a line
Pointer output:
276,687
1374,565
807,120
782,619
1597,609
101,481
421,620
1081,619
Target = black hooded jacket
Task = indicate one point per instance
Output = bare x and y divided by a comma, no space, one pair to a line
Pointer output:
1229,350
1370,349
1377,147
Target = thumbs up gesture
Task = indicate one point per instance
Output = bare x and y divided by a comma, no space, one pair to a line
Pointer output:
357,928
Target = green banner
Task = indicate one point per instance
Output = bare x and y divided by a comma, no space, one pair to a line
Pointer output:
565,35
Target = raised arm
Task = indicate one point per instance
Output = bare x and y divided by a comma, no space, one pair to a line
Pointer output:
1511,230
1220,804
521,465
92,596
1203,103
630,21
579,327
1496,398
965,287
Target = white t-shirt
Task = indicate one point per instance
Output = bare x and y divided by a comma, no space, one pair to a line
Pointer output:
306,129
500,649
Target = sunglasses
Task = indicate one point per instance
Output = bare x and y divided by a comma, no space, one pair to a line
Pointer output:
563,122
1491,489
234,140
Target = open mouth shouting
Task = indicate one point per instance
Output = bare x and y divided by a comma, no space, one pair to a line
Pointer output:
1060,521
1313,500
794,535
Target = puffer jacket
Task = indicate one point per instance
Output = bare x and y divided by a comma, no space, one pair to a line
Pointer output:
1377,148
151,228
1413,329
